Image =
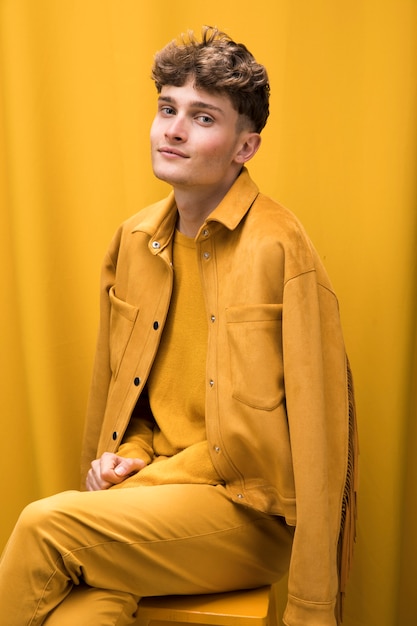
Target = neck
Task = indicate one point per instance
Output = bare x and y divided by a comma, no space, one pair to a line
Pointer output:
191,216
194,207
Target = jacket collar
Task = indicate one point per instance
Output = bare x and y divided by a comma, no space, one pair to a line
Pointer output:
236,203
158,220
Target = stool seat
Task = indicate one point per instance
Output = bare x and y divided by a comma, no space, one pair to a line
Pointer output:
252,607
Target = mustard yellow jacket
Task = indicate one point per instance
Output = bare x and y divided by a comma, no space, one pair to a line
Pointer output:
277,406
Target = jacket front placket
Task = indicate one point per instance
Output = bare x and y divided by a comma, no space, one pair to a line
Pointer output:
144,342
206,250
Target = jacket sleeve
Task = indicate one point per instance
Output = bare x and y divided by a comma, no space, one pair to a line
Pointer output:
138,438
101,376
316,384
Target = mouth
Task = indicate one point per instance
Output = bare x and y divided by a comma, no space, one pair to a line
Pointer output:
172,152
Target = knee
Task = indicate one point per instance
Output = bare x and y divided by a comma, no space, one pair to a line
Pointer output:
40,514
31,516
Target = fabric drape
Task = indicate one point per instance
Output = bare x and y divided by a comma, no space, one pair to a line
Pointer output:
339,149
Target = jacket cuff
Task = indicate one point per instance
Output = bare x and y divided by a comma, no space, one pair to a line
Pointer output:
302,613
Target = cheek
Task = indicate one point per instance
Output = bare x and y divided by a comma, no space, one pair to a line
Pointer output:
154,131
217,149
222,147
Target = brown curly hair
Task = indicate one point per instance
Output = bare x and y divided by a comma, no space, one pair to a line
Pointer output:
217,64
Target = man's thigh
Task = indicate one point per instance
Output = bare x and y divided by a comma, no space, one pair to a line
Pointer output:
169,539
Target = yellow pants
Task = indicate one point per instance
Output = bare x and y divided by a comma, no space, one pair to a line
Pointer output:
85,558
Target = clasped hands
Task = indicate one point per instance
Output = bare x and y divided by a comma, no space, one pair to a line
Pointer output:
111,469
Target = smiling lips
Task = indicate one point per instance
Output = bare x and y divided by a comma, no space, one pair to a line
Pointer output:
172,152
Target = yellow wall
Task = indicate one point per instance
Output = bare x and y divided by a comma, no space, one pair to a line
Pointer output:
76,103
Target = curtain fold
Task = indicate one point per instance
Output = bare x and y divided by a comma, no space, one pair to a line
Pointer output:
340,149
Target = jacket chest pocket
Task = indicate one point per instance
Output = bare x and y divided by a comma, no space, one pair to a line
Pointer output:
122,320
255,348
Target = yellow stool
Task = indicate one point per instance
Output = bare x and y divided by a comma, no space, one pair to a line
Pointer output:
253,607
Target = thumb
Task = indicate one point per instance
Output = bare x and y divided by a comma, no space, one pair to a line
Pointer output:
129,466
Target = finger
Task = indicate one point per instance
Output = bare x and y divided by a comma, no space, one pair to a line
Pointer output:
95,480
127,467
91,482
107,462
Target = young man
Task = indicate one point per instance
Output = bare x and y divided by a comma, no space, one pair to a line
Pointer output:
219,436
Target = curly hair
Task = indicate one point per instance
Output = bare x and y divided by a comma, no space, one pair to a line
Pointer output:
218,65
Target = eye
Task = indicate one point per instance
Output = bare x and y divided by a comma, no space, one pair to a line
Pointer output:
206,120
167,110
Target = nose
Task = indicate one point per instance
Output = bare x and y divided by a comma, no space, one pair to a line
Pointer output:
176,130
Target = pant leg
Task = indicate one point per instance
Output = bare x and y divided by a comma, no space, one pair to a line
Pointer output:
88,606
142,541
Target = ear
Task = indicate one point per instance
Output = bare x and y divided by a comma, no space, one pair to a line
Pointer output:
248,147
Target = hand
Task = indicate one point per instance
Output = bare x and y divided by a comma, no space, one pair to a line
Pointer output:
111,469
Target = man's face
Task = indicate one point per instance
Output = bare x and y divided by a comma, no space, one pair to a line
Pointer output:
195,140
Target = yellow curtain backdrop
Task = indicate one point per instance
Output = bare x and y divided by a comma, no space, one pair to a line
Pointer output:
76,104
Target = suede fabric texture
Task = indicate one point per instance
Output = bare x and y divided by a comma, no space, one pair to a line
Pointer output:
126,543
277,411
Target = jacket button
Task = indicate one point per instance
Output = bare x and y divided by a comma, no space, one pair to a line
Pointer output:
114,435
217,449
211,383
213,318
136,381
156,245
155,325
206,255
240,496
206,232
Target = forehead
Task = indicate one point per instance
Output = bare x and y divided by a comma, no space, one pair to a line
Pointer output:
189,96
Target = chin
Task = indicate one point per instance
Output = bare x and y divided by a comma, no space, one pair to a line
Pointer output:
169,177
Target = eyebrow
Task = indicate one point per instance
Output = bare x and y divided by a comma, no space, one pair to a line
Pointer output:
195,104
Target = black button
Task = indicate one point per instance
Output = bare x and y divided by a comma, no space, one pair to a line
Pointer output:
114,436
136,382
155,325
